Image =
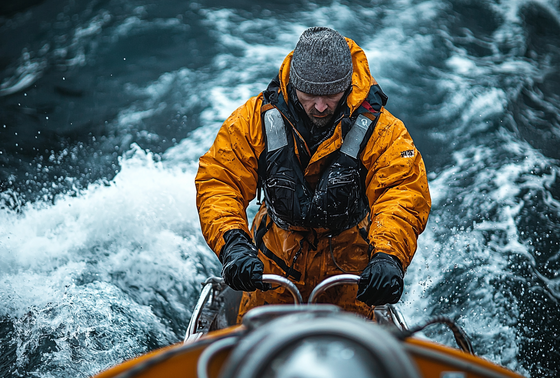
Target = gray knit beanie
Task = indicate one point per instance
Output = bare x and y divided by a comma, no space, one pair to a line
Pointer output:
322,63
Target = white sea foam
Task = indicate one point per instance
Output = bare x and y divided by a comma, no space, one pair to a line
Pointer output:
133,244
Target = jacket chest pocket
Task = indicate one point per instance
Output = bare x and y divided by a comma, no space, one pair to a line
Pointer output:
338,200
281,193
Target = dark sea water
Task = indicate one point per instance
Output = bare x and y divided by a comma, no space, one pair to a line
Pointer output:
105,107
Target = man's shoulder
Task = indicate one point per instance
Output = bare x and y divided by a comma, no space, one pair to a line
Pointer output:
388,129
246,119
254,102
249,108
388,119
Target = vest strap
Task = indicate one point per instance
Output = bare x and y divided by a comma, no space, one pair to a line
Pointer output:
354,138
275,130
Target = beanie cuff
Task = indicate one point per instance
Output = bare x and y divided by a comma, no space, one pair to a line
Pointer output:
320,88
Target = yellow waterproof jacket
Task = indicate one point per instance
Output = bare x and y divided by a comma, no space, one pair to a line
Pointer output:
396,183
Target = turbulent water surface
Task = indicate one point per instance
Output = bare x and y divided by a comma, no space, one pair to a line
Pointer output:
105,107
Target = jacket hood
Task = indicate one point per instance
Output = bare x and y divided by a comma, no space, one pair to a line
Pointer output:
361,77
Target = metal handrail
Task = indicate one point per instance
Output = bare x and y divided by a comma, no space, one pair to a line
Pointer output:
341,279
285,283
213,282
397,317
209,285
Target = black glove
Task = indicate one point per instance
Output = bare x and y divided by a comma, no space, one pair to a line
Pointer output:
241,268
381,281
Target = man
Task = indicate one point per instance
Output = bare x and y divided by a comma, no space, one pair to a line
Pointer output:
345,189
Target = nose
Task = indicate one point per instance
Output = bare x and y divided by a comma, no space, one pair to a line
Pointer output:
320,104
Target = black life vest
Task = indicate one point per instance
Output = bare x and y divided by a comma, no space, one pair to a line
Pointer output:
338,201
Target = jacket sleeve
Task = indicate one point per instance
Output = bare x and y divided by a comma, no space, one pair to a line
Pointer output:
397,189
227,175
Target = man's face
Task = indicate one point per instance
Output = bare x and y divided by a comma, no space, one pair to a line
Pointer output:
319,109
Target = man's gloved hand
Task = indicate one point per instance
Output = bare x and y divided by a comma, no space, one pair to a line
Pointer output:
241,268
381,281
